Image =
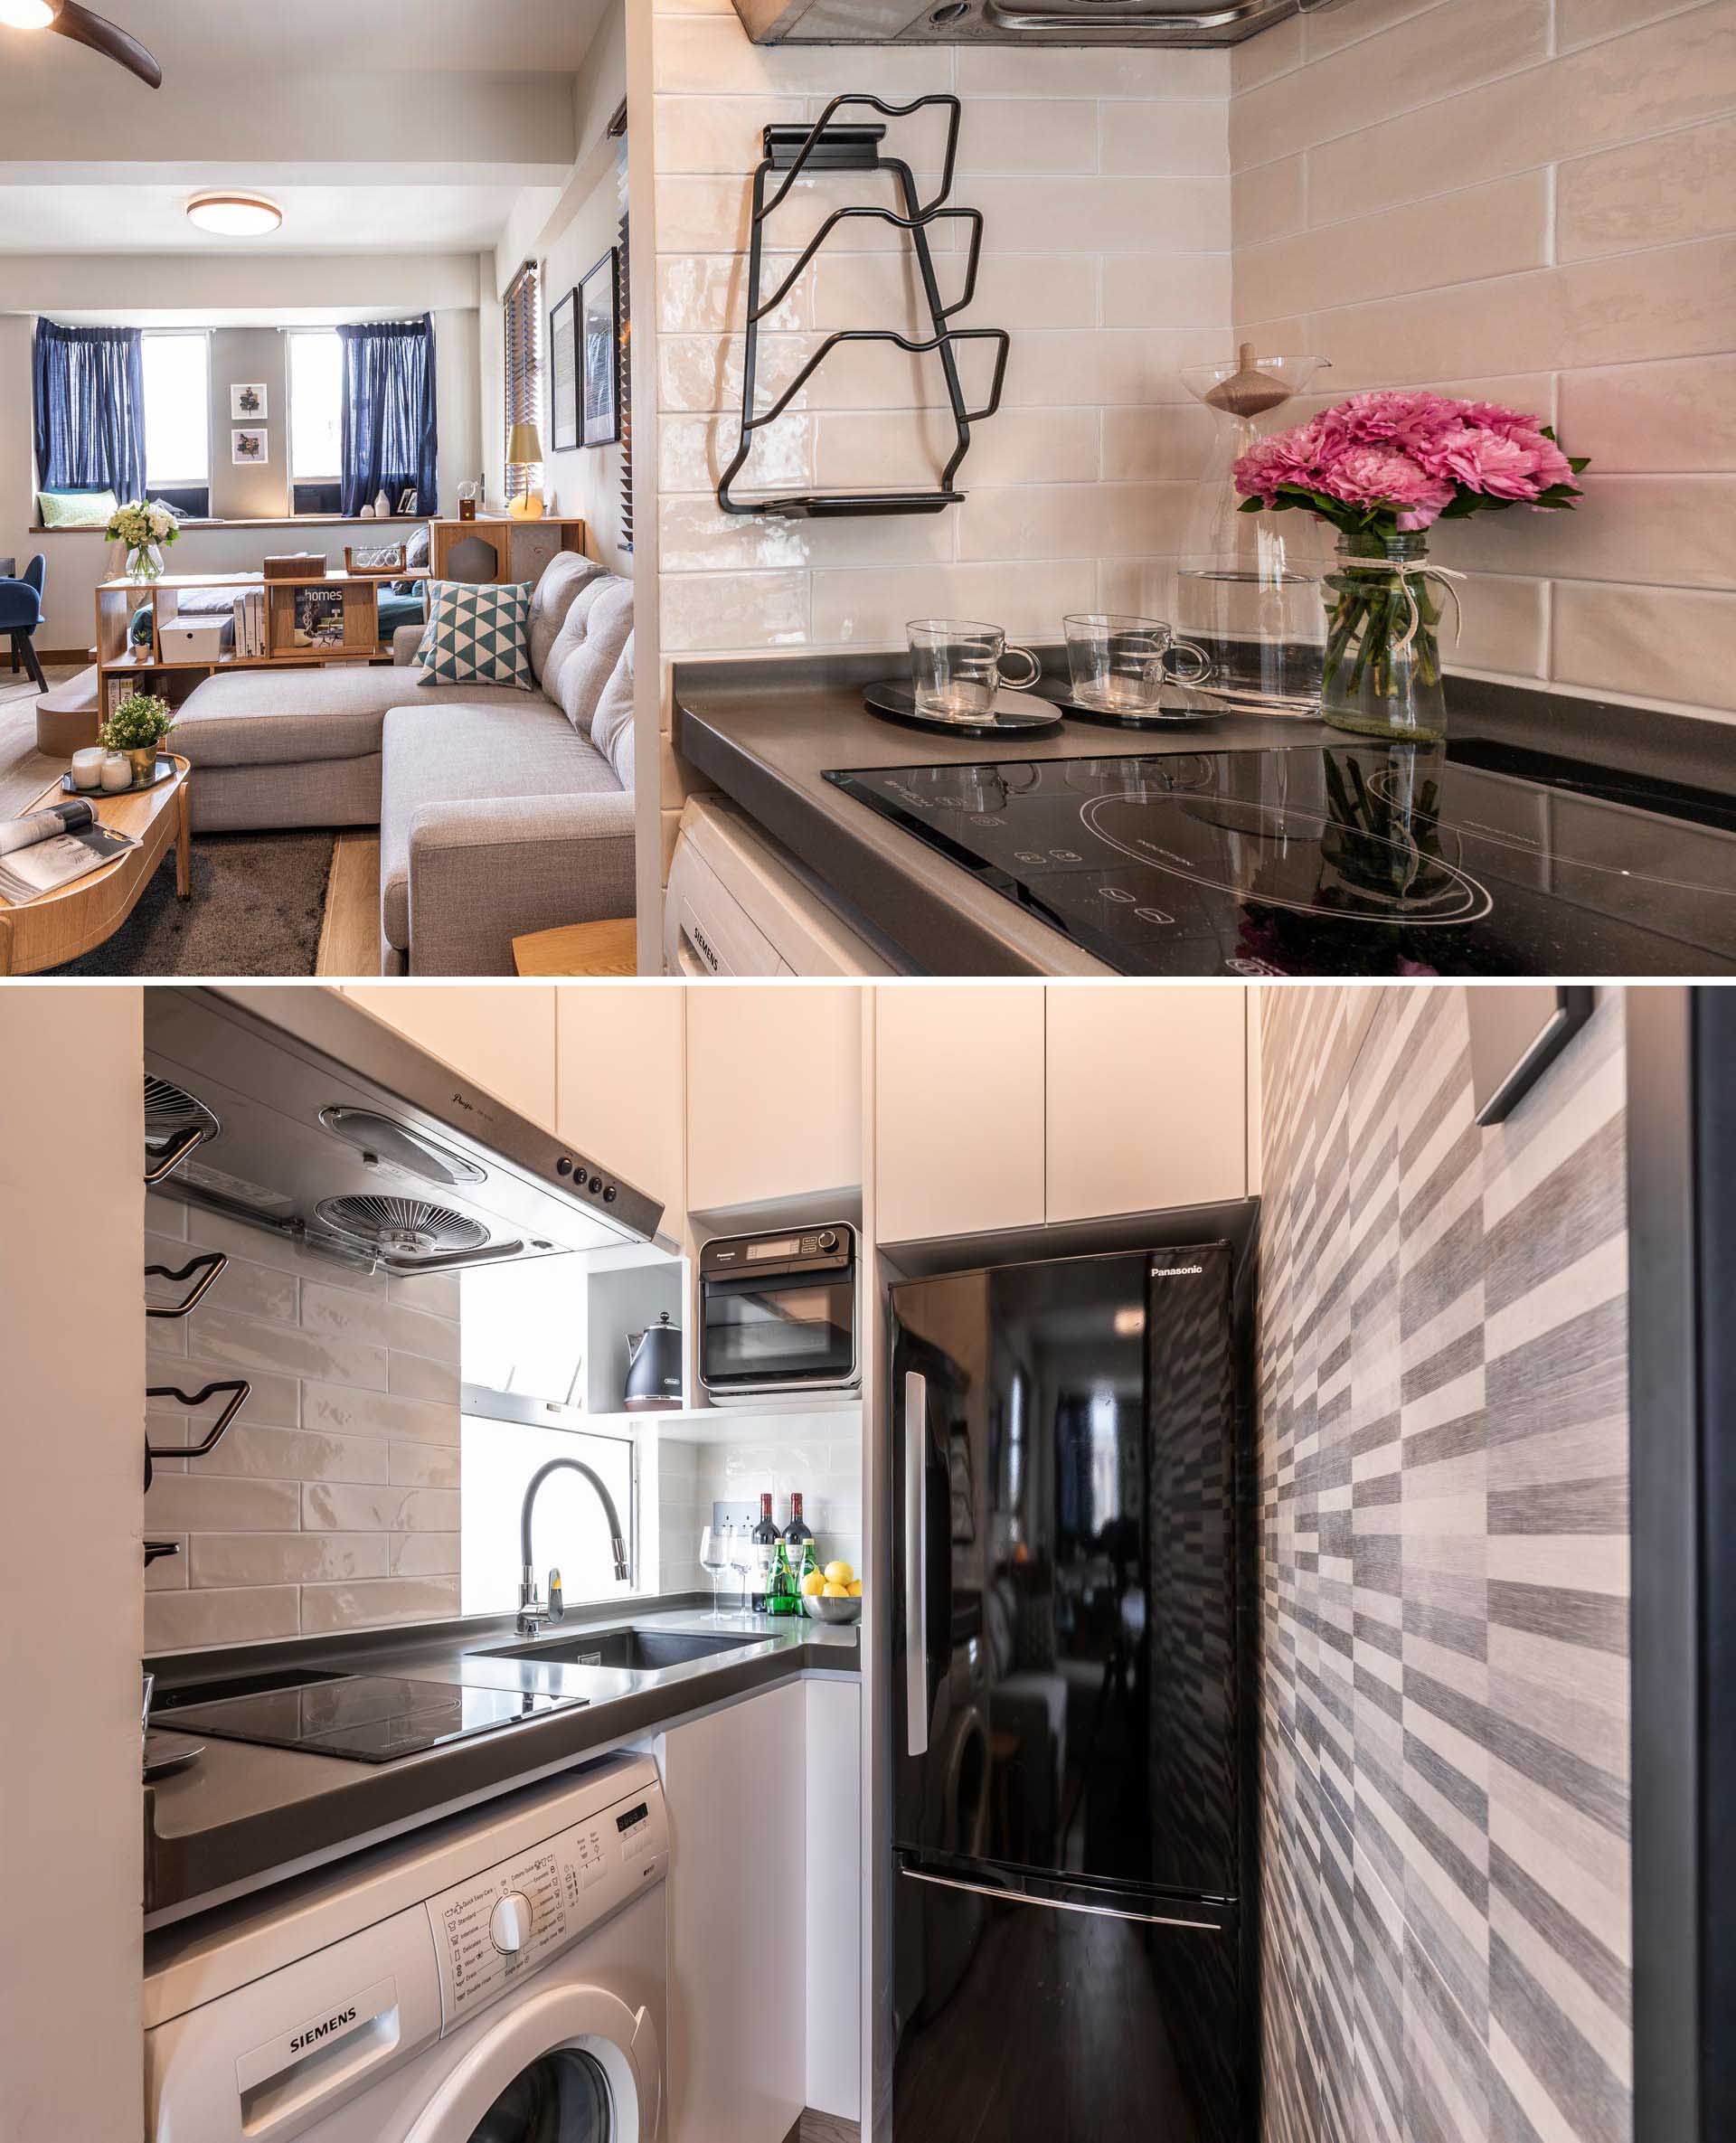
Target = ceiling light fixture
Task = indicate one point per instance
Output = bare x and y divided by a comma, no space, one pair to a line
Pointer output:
27,15
229,215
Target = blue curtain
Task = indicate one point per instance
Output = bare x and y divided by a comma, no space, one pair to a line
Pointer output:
388,431
89,384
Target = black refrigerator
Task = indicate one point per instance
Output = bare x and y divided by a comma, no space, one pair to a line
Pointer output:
1073,1918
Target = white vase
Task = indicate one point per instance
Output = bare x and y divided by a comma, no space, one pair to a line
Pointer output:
382,507
366,514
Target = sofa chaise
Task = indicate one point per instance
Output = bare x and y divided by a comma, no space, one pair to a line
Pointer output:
500,811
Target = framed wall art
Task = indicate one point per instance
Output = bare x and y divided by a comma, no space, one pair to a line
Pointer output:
600,347
563,375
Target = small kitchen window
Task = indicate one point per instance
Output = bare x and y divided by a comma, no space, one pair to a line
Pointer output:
523,1335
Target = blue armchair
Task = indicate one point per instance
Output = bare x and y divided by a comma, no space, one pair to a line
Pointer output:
20,612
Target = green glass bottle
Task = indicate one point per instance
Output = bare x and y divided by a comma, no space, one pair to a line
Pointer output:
781,1598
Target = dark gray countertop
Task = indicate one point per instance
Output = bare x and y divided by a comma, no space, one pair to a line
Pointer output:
244,1816
766,731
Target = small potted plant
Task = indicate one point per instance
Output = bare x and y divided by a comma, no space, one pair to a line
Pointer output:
144,528
137,727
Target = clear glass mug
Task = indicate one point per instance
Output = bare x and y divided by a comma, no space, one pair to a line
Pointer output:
1120,665
956,668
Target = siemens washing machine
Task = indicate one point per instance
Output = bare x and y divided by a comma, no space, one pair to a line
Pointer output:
500,1977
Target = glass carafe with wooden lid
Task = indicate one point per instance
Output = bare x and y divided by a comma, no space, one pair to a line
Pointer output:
1249,589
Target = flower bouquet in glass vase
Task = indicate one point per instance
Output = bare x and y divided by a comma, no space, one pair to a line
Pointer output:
1383,470
144,528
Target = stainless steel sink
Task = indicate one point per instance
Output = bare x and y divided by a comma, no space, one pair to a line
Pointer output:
639,1650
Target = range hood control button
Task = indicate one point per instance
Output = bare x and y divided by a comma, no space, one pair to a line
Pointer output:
595,1184
608,1193
564,1167
509,1923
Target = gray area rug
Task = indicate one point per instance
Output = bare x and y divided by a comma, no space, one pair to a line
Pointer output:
257,906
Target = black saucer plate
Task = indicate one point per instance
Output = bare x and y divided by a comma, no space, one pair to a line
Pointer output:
1179,708
163,770
166,1752
1014,714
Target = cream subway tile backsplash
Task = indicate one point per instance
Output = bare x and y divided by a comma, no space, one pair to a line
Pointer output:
1673,186
1544,213
332,1501
1103,180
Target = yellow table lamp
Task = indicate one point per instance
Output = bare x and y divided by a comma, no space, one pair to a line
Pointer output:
524,450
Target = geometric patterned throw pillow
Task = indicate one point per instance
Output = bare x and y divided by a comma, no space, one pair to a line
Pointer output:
477,633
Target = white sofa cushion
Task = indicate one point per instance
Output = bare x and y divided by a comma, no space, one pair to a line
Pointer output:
587,649
269,718
611,726
560,581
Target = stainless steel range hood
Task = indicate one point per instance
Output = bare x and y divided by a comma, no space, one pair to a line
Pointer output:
295,1111
1184,24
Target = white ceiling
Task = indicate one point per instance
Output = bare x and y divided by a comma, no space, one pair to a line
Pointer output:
372,36
408,126
378,216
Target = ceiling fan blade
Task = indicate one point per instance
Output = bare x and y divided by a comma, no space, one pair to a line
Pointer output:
102,36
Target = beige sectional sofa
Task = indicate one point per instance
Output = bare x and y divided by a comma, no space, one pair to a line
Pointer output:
500,811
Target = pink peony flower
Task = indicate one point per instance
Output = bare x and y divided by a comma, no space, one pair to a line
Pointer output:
1411,453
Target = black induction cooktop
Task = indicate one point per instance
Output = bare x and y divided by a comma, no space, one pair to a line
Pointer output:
372,1718
1349,859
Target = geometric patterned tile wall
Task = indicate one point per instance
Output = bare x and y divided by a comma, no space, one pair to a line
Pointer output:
1445,1586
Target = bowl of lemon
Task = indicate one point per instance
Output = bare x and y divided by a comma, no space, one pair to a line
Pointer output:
833,1594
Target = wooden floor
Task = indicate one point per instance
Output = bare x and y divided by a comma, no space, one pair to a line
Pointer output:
826,2128
349,938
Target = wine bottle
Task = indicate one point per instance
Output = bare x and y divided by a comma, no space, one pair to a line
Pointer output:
765,1538
796,1535
780,1589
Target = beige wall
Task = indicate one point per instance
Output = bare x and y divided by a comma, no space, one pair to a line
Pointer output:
72,1338
333,1501
238,355
1533,199
586,481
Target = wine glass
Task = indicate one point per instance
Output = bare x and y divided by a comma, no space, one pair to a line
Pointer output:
714,1560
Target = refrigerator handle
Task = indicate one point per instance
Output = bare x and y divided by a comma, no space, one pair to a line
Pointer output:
1147,1916
915,1551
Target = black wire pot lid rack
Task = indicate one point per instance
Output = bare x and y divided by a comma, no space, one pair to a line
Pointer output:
824,147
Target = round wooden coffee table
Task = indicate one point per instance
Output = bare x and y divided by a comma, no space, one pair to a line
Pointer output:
59,926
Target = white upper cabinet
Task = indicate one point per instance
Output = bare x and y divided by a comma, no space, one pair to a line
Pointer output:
773,1092
619,1057
1146,1104
960,1077
500,1035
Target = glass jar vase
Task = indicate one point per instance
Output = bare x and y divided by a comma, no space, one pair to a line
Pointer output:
1383,676
143,562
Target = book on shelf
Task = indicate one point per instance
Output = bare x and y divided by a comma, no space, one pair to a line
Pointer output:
249,625
319,618
47,849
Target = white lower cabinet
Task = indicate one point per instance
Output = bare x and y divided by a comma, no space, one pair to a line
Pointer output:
732,1781
834,1893
764,1913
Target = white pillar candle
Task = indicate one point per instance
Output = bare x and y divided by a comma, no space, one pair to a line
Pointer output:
117,772
87,768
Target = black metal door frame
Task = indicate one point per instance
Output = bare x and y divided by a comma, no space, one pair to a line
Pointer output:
1682,1377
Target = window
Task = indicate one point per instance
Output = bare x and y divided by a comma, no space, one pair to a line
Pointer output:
316,405
177,418
524,1344
524,339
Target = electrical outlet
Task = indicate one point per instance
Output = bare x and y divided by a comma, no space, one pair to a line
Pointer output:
743,1516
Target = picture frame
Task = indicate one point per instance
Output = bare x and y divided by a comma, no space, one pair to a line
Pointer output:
249,402
408,501
600,352
563,375
249,446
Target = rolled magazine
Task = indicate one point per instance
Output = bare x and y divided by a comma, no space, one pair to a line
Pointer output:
50,848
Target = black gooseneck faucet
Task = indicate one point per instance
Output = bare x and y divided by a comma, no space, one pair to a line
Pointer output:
531,1613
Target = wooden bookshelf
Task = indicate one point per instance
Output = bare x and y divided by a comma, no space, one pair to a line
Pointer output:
118,660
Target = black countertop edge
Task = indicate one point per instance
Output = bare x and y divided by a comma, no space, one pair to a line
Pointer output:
185,1871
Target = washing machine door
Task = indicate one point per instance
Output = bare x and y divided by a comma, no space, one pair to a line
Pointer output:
571,2064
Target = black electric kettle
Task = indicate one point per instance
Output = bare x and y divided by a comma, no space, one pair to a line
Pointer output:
653,1367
